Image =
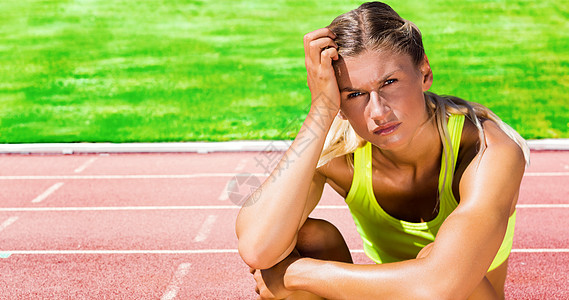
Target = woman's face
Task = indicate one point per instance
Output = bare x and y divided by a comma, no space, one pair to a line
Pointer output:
382,96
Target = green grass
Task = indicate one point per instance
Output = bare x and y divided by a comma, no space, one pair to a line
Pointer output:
150,71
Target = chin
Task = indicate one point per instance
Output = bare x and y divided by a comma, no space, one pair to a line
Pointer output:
391,142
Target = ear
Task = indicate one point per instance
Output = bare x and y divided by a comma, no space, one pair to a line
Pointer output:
427,74
341,115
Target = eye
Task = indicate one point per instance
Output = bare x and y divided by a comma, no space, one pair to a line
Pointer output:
355,94
390,81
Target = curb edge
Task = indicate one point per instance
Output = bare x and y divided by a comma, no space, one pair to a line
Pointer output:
197,147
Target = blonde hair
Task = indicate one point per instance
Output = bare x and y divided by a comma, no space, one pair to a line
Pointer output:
375,26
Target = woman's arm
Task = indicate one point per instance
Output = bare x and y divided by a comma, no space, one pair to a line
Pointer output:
268,228
464,248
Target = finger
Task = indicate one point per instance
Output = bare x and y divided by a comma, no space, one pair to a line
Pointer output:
317,46
267,296
316,34
257,276
327,56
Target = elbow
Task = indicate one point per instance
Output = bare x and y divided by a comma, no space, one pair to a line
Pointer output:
254,258
251,251
261,255
247,247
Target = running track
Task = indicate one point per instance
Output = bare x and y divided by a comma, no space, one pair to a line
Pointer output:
161,226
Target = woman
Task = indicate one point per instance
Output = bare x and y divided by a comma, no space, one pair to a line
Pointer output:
431,181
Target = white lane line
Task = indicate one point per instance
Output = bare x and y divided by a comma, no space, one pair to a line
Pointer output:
179,176
114,208
331,207
546,174
224,193
201,207
206,251
545,250
177,280
8,222
542,206
48,192
85,165
187,176
204,231
241,165
224,196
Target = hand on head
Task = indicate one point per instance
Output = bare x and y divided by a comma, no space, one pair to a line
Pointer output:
320,50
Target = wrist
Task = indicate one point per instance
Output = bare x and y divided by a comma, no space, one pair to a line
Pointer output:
323,103
322,114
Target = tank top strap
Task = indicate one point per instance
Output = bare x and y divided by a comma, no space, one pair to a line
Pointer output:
455,125
450,156
358,186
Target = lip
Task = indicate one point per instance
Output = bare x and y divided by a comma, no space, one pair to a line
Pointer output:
387,128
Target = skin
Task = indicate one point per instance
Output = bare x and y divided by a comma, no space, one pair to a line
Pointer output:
382,89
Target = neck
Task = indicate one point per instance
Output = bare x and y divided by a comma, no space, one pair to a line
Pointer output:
423,149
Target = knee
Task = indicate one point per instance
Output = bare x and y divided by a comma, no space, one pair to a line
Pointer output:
321,239
318,234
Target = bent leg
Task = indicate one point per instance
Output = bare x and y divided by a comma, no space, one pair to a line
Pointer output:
320,239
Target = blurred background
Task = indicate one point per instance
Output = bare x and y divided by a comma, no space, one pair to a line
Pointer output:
162,71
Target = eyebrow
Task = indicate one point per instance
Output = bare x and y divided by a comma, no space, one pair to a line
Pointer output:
383,79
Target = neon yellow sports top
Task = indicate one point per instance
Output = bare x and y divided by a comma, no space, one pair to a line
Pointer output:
387,239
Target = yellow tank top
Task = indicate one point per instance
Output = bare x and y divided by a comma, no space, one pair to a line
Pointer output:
387,239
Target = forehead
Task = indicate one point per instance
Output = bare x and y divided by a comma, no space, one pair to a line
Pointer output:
371,66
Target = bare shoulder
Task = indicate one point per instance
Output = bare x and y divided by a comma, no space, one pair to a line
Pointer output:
501,154
494,174
338,174
504,146
496,140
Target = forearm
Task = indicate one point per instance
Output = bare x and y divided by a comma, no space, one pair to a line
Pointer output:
270,223
335,280
443,273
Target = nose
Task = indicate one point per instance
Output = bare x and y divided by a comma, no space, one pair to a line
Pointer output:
378,108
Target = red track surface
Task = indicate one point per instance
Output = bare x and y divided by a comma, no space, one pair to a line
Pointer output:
150,226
